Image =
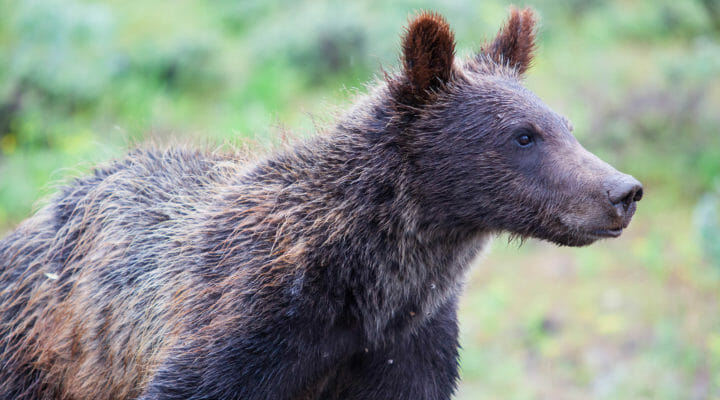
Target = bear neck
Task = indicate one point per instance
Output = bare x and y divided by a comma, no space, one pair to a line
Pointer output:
347,197
414,265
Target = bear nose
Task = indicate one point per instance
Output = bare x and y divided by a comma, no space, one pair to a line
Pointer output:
624,190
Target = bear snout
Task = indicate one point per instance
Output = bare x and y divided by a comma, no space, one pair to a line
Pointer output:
623,192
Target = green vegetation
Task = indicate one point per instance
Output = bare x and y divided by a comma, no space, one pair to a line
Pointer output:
632,318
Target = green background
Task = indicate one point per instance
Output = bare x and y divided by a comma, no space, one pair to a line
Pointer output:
631,318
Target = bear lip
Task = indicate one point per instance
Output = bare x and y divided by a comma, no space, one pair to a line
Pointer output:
614,232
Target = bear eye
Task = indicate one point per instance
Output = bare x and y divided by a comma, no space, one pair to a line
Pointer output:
524,139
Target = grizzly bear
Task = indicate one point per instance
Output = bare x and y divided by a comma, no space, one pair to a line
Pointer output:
329,270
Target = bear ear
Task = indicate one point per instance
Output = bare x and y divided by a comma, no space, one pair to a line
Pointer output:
428,51
515,43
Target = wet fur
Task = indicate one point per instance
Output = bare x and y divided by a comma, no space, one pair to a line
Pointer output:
330,270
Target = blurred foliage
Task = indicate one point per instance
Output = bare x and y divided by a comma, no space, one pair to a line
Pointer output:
707,222
81,80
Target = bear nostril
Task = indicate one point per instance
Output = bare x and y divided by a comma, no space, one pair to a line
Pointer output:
625,191
638,194
632,195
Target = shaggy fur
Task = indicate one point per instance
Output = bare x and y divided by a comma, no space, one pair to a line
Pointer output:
330,270
515,43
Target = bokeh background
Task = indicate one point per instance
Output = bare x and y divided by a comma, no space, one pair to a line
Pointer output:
632,318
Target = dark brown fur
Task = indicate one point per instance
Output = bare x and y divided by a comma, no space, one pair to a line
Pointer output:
330,270
428,55
515,43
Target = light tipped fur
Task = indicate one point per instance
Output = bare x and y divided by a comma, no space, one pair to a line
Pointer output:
514,44
329,269
428,51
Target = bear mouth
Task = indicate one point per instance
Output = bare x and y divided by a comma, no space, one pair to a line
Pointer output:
579,238
586,237
606,233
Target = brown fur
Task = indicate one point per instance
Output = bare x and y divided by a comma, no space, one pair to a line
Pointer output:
329,270
515,43
428,53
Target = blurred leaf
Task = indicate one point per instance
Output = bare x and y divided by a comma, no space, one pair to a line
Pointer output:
707,222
